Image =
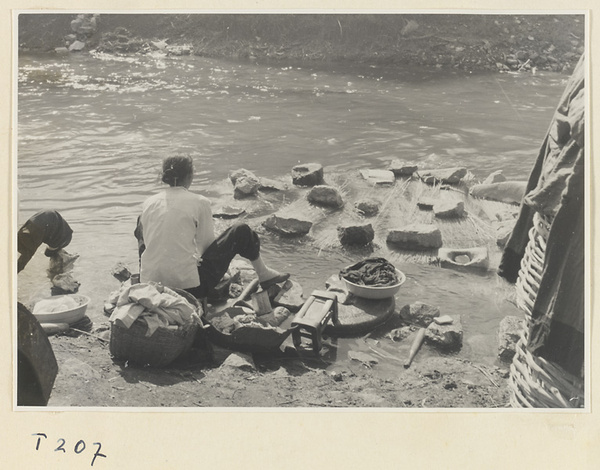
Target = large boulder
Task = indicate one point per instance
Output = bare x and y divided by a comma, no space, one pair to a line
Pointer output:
402,168
419,313
323,195
509,192
509,334
356,235
287,226
379,177
448,336
246,186
245,183
443,176
242,172
449,209
416,237
308,174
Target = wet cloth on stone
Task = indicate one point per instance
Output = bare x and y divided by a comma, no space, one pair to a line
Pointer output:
157,305
556,190
376,272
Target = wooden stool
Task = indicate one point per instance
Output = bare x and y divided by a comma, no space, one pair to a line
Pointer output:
312,318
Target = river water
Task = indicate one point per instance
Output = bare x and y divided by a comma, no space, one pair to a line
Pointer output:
92,130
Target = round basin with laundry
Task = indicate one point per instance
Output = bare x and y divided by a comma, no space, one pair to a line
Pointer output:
61,309
372,278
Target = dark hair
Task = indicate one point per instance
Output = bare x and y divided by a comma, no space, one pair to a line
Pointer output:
176,169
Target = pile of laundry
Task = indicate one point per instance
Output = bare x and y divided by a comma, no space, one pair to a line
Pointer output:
376,272
234,318
155,304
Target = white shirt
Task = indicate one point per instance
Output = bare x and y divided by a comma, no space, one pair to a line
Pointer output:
177,226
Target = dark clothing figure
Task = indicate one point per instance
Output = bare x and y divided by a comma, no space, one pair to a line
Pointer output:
44,227
556,190
238,239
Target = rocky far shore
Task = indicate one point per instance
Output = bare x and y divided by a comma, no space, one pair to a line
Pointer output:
470,42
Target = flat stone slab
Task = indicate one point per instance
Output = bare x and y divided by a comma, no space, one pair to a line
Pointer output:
228,212
449,209
416,237
267,185
509,192
287,226
357,316
402,168
361,316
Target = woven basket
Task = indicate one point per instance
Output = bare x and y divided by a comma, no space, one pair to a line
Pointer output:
535,382
159,350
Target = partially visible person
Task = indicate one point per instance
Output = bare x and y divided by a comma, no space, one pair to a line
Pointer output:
47,227
177,242
37,366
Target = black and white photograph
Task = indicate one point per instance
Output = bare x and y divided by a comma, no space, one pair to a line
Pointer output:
308,211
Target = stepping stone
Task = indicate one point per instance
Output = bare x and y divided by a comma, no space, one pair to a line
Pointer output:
323,195
416,237
356,235
287,226
378,177
309,174
449,209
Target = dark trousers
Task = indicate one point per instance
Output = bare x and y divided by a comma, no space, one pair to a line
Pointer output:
44,227
239,239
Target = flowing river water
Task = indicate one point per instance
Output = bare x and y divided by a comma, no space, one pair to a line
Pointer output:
92,130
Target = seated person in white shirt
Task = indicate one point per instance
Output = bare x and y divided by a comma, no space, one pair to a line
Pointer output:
177,243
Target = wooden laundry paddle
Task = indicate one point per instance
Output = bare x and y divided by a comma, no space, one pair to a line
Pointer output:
249,289
414,348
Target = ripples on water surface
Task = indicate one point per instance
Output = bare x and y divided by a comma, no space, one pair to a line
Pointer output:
93,129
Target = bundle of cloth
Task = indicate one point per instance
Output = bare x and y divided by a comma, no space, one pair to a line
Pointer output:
155,304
